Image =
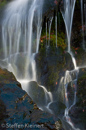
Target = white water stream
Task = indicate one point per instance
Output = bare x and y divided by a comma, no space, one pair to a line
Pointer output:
56,28
46,34
68,19
50,23
21,31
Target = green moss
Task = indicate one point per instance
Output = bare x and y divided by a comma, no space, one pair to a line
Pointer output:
3,3
60,40
52,78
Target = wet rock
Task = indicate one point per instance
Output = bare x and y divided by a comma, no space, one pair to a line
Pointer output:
51,67
75,112
80,57
3,115
78,112
42,98
8,78
17,107
49,7
57,108
59,125
81,89
37,93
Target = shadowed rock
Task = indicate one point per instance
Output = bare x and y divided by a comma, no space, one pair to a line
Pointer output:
17,107
51,67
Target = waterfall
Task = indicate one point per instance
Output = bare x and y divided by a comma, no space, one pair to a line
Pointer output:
21,31
68,18
56,28
18,33
70,82
70,78
46,33
85,16
67,14
50,23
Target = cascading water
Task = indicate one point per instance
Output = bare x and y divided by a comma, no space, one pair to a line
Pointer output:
68,19
85,16
70,82
46,33
21,31
56,28
50,23
17,28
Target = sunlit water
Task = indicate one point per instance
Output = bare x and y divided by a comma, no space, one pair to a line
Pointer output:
67,14
50,24
56,28
21,31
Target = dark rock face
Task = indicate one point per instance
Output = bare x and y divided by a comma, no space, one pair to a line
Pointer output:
57,108
22,110
8,78
51,67
56,63
49,7
37,91
78,112
80,56
17,107
3,113
44,99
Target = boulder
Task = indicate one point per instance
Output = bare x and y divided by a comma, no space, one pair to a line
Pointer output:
51,66
16,107
8,78
78,111
80,56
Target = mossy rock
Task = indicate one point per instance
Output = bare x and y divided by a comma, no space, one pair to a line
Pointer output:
81,98
2,3
80,56
51,65
60,40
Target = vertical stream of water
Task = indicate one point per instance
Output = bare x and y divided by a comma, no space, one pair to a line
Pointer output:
21,31
50,23
69,79
56,28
